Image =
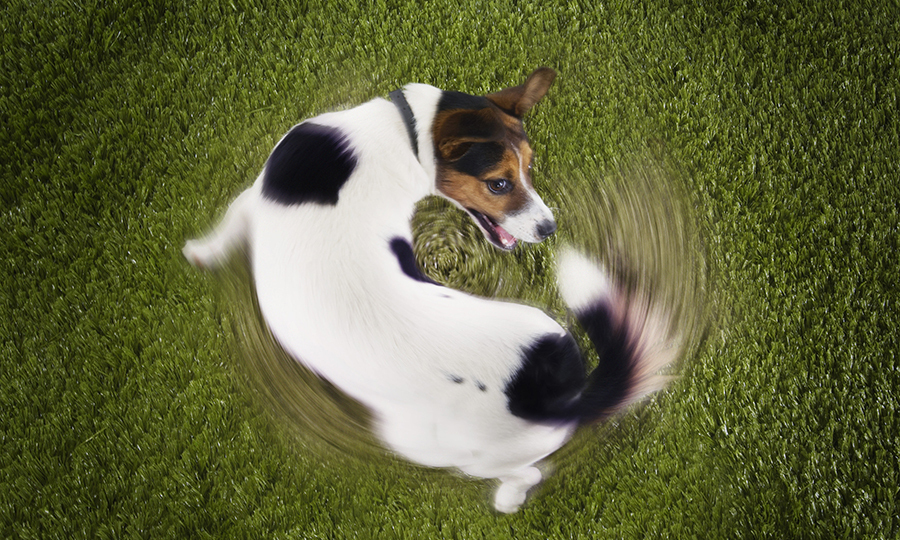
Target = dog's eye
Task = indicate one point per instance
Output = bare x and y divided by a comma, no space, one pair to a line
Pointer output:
499,186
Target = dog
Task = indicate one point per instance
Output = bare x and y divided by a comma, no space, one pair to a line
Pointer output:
453,380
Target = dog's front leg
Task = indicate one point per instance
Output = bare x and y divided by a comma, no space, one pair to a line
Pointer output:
211,250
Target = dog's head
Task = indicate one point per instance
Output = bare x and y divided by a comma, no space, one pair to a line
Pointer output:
483,160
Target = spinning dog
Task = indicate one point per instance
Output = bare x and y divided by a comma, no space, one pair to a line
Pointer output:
453,380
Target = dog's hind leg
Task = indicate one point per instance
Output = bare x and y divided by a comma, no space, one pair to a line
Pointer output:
513,489
211,250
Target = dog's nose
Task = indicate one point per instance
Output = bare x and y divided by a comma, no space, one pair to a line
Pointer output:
546,228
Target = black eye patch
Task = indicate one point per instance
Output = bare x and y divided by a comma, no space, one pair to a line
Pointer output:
480,158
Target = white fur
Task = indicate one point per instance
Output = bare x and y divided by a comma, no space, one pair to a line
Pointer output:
523,224
334,296
581,282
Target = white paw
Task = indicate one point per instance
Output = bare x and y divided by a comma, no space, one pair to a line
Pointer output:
513,489
199,254
508,499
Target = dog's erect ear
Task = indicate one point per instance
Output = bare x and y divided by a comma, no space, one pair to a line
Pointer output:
456,131
519,99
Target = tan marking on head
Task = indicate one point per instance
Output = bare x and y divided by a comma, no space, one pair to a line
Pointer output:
474,146
474,193
453,130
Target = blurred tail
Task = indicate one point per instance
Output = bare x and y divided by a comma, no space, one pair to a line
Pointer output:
631,339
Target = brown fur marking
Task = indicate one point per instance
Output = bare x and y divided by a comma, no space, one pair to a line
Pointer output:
455,131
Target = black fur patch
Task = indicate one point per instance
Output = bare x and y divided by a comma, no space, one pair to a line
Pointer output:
309,165
407,259
479,158
609,383
451,100
547,385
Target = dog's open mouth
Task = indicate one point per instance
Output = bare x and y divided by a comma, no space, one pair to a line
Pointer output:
494,232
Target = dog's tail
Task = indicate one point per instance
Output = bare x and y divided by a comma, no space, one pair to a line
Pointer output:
631,338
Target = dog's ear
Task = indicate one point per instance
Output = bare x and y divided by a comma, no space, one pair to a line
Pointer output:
457,131
518,100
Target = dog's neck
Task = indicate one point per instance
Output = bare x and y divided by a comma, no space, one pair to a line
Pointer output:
423,101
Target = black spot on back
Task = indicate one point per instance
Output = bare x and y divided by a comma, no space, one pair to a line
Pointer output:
404,253
547,385
451,100
480,158
309,165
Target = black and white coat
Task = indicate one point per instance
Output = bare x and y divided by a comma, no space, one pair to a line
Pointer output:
453,380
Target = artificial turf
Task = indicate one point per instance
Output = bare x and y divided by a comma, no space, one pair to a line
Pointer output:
128,126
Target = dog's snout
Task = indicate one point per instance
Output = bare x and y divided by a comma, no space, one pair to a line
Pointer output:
546,228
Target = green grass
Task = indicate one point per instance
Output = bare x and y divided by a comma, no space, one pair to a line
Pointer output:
127,127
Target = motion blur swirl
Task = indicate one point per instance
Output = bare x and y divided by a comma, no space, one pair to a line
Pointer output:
633,217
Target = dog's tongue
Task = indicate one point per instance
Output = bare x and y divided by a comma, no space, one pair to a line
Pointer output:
506,239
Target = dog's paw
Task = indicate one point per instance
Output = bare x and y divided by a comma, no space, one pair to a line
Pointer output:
508,500
513,489
199,254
